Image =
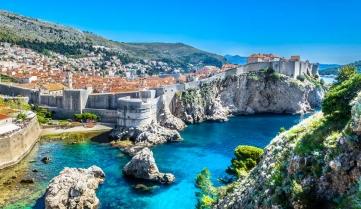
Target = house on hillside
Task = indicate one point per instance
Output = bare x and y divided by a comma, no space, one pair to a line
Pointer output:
52,89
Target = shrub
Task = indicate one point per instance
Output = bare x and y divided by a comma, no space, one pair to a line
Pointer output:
301,78
282,129
43,114
86,116
246,157
270,70
21,116
338,98
208,194
296,189
345,73
276,76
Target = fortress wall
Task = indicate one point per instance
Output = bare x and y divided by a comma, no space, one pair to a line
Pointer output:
107,100
10,90
288,68
14,147
74,100
106,116
256,66
192,85
135,113
51,100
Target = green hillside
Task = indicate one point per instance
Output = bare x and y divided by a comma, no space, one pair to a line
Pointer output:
44,36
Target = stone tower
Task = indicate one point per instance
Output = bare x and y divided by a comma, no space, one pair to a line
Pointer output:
69,78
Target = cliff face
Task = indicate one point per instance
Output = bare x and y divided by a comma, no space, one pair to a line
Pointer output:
316,164
250,93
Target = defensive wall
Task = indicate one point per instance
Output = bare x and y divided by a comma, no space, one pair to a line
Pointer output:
15,146
138,111
111,106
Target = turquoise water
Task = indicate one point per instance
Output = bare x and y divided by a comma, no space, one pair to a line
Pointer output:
205,145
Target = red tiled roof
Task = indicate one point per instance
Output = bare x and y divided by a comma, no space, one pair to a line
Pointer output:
2,117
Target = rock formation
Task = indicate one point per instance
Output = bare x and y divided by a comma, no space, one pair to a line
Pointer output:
256,92
143,166
313,165
161,130
145,136
74,188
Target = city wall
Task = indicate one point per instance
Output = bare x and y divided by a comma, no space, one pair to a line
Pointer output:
10,90
14,147
106,105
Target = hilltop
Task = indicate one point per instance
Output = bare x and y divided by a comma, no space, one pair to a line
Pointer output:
45,37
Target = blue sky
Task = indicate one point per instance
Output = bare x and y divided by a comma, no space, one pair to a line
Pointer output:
319,30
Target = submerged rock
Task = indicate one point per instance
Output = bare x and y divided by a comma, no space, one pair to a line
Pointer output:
46,160
27,181
144,188
74,188
143,166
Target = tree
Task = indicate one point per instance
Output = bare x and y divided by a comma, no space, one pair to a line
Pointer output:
86,116
338,98
208,194
245,158
345,73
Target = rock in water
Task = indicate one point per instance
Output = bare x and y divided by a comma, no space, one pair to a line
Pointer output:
74,188
143,166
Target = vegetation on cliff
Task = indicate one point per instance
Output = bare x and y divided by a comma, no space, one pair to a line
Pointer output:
245,158
314,164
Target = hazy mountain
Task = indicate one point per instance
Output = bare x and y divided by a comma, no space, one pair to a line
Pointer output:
236,59
332,69
44,36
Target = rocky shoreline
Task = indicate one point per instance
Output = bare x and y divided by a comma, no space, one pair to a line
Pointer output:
217,100
246,94
74,188
251,93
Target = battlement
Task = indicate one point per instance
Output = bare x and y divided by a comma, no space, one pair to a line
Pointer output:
135,112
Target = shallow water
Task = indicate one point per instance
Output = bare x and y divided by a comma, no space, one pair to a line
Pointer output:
205,145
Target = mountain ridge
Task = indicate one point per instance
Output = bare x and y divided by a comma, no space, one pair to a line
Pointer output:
43,35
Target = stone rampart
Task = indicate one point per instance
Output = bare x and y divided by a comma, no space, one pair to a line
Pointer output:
11,90
78,100
14,147
106,115
136,112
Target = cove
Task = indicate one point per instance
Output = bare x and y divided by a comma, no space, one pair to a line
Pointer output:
208,144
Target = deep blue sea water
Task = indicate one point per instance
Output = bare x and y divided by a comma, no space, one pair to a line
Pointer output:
208,145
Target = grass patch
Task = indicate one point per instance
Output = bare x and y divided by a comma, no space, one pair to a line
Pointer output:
313,139
72,137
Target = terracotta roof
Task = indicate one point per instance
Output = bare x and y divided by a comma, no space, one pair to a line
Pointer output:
3,117
53,86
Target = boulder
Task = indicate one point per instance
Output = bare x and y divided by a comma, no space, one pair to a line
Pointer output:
143,166
74,188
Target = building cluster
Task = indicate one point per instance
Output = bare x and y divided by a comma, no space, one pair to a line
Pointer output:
255,58
51,73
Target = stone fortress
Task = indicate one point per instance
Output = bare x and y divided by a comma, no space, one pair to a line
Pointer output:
133,109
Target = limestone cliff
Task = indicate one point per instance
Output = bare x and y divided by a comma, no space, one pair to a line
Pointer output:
256,92
316,164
